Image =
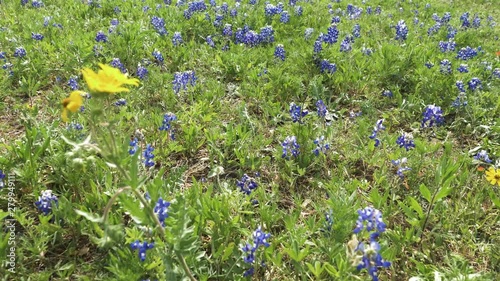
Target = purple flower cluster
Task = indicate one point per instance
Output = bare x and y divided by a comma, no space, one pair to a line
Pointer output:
46,202
177,38
148,156
142,72
321,146
19,52
401,169
259,239
321,109
142,247
133,146
369,219
246,184
166,125
433,116
401,30
463,68
406,141
161,210
120,102
297,113
36,36
159,25
378,127
182,80
326,66
482,156
353,12
466,53
445,66
474,84
447,46
331,36
116,63
345,45
279,52
101,37
290,147
251,38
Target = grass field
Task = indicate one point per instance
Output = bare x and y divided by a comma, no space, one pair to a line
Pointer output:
249,140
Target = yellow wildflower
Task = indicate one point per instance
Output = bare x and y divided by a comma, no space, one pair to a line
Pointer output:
107,80
493,176
72,103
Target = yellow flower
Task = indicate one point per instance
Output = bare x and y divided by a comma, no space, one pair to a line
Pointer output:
73,103
493,176
107,80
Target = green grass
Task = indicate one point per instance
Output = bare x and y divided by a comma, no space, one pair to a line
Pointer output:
443,216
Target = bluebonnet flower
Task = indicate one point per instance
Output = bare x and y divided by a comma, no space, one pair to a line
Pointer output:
297,113
356,30
446,18
116,63
114,22
142,72
367,51
369,219
271,10
326,66
445,66
133,146
158,56
251,38
233,13
75,126
159,25
367,256
487,65
182,80
145,9
321,109
451,32
148,156
308,33
496,73
161,210
335,19
46,202
318,47
299,10
406,141
199,6
218,20
36,36
246,184
483,156
387,93
252,2
328,224
345,45
259,239
376,129
290,147
285,17
461,100
353,12
209,41
399,164
474,83
19,52
460,85
332,35
465,20
117,10
279,52
434,29
266,34
227,30
101,37
447,46
121,102
24,2
463,68
433,116
429,65
8,67
167,123
177,39
378,10
466,53
142,247
36,3
321,146
401,30
73,83
2,176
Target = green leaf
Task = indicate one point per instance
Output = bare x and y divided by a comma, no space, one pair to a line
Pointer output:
228,251
494,198
443,192
426,193
416,207
89,216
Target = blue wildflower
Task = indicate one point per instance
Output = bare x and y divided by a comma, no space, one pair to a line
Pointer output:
36,4
429,65
290,147
371,259
466,53
367,51
227,30
116,63
406,141
177,39
182,80
335,20
259,239
299,10
332,35
73,83
356,30
159,25
376,129
326,66
279,52
36,36
474,83
142,247
321,146
401,30
345,45
246,184
46,202
482,156
101,37
463,68
158,56
209,41
308,33
496,73
461,100
266,34
387,93
445,66
161,210
19,52
2,176
433,116
121,102
148,156
285,17
297,113
168,118
133,146
447,46
318,47
399,164
460,85
321,109
465,20
142,72
369,219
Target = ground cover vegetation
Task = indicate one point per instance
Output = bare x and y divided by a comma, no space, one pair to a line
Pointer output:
263,140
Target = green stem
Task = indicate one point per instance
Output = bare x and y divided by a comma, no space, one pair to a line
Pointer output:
111,201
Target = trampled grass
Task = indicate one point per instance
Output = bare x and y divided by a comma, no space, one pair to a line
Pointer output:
303,140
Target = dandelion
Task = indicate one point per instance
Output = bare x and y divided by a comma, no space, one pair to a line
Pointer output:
290,147
142,247
493,176
46,202
72,104
246,184
107,80
433,115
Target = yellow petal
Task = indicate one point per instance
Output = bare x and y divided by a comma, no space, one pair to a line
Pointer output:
64,115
